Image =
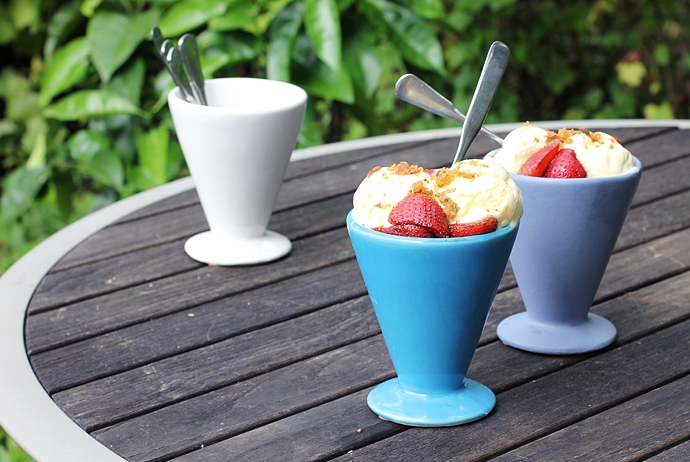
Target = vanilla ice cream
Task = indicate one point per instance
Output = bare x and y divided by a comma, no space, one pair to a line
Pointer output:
469,192
600,154
383,188
479,188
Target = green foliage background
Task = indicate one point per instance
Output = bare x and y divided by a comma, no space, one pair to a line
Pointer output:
83,114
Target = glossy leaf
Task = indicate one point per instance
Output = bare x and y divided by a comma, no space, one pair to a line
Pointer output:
152,150
85,144
69,67
129,81
415,39
188,14
106,168
428,9
113,37
61,25
282,35
362,60
322,24
19,190
86,104
316,78
240,14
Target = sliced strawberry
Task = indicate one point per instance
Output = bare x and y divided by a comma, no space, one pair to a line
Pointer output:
537,164
405,230
565,165
421,210
487,225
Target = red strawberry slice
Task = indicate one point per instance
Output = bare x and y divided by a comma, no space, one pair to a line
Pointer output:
405,230
537,164
487,225
421,210
565,165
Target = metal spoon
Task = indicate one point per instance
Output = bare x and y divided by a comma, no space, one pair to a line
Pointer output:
189,52
414,90
490,78
163,47
176,68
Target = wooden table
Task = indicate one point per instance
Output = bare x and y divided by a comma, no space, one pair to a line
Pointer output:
158,357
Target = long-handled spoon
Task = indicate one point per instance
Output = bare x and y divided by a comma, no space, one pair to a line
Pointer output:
490,78
176,68
189,52
414,90
163,47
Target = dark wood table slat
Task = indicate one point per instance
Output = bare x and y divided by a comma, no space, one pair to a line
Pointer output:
631,431
201,325
107,313
160,357
549,403
496,365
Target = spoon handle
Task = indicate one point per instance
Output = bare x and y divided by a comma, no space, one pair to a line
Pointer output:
414,90
176,68
189,52
162,47
490,78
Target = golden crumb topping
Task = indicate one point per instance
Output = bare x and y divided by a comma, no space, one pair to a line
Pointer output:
420,187
450,208
373,170
403,168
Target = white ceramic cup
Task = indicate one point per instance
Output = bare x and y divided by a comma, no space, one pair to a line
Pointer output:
237,149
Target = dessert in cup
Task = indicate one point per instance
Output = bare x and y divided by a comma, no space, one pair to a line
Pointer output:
577,188
431,291
237,149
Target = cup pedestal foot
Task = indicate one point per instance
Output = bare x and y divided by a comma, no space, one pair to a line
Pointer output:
466,404
520,331
219,250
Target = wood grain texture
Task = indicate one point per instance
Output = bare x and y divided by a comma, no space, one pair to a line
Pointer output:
107,313
500,367
631,431
675,454
198,326
547,404
157,355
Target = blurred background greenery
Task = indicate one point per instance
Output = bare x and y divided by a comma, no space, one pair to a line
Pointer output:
83,114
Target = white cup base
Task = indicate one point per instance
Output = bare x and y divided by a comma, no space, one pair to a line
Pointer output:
213,249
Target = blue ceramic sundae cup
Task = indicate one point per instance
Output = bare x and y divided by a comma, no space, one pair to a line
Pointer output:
431,298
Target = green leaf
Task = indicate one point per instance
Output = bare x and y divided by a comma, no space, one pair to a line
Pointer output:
37,158
113,37
106,168
362,60
282,35
415,39
129,81
61,24
25,13
152,150
429,9
188,14
224,49
19,191
85,144
316,78
322,24
88,7
91,103
68,67
240,14
658,111
631,73
7,30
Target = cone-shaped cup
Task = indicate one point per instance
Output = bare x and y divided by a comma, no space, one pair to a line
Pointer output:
431,298
567,233
237,149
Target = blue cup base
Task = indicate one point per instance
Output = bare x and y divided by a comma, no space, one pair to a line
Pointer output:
469,403
519,331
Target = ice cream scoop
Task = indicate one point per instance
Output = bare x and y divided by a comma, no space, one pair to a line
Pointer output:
470,191
600,154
